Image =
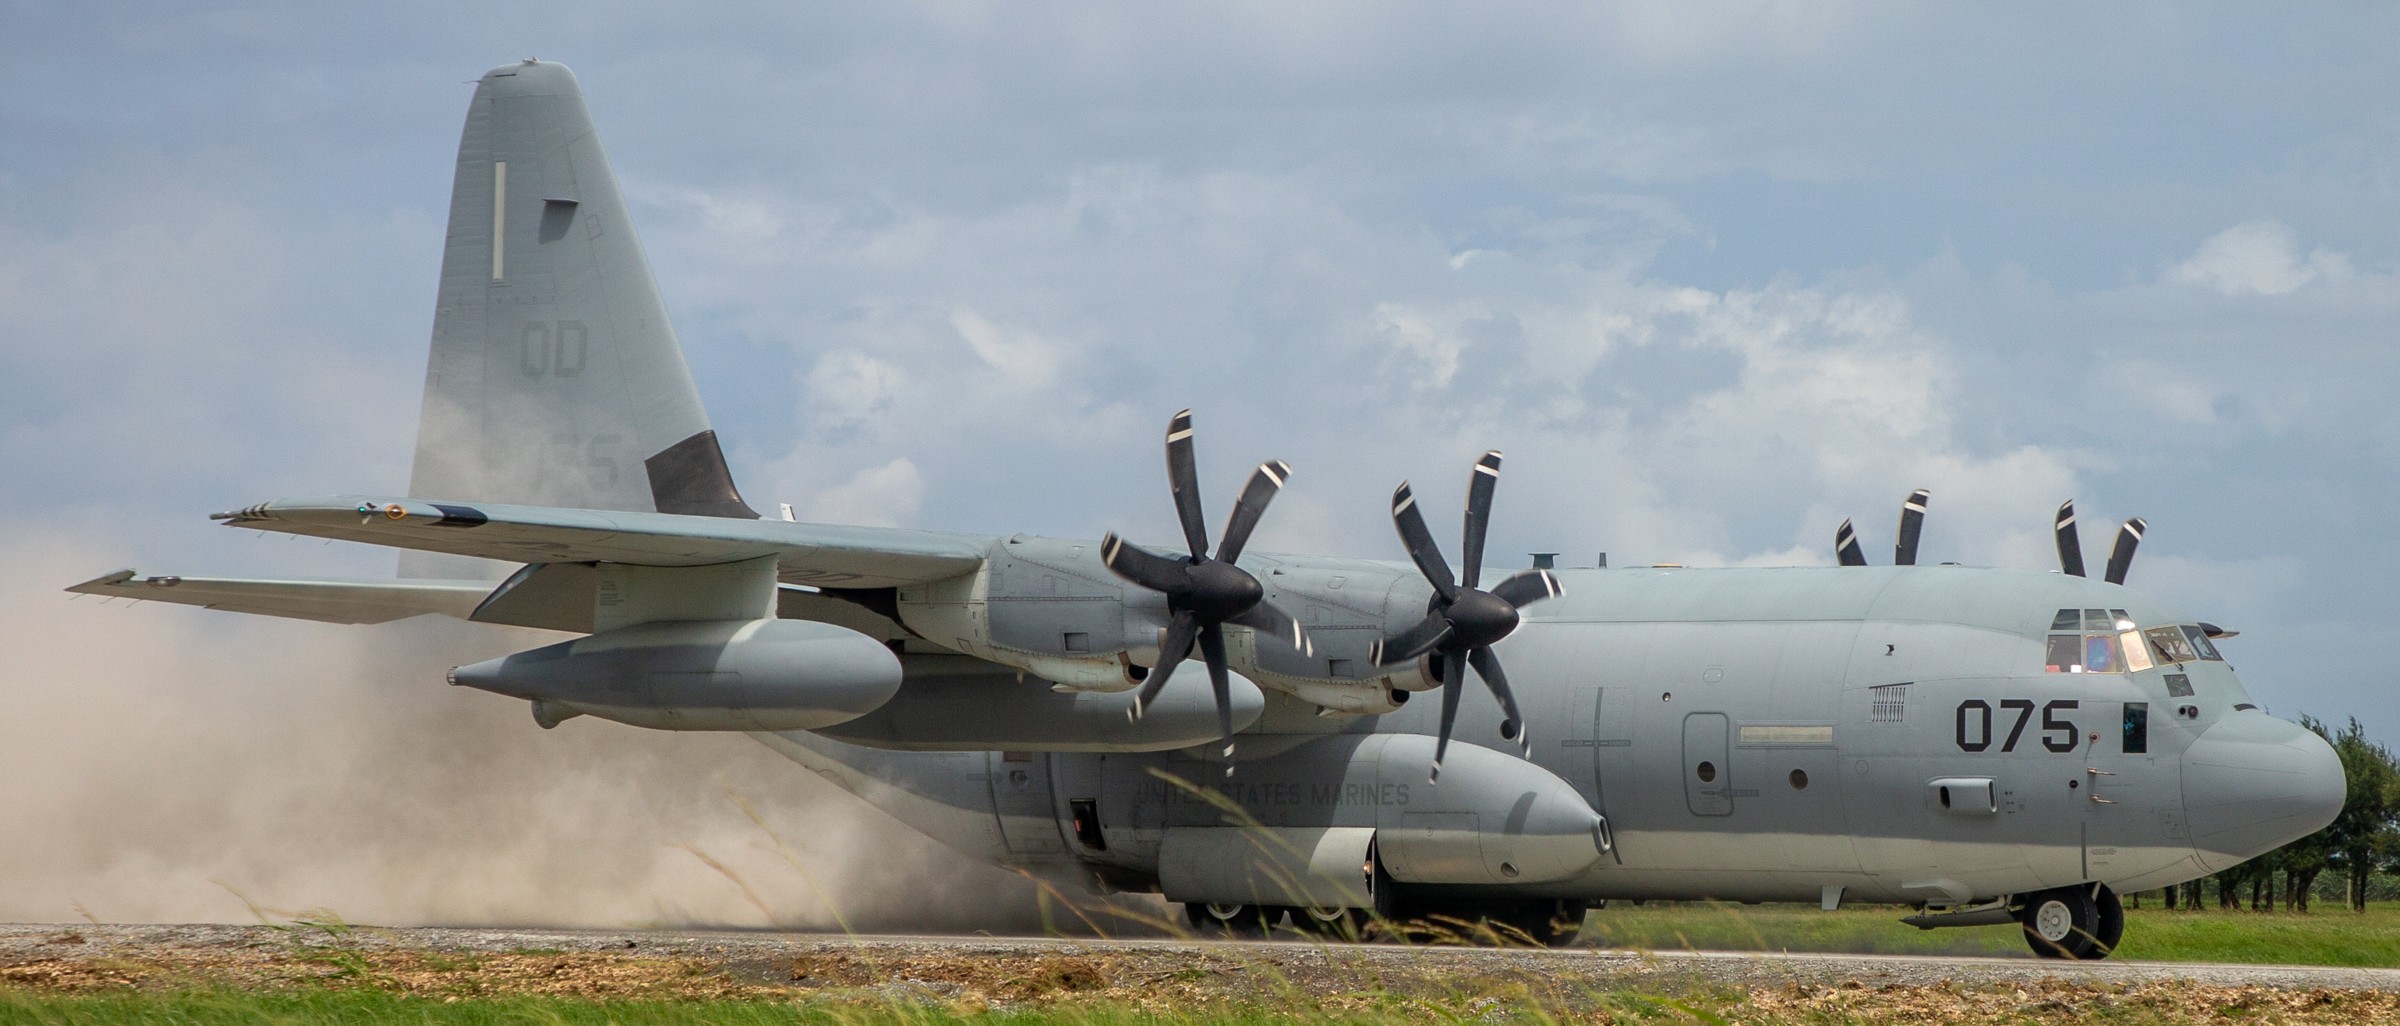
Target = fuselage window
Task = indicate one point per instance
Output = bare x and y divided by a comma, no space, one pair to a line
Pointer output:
2137,728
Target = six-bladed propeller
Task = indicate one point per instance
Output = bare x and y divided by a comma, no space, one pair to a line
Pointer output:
2070,546
1463,622
1204,593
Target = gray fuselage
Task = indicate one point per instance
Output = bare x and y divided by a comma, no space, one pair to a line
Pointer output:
1751,734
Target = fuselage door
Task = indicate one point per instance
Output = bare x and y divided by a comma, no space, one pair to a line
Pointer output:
1024,802
1707,767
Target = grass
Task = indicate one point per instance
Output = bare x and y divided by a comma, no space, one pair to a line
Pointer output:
2328,936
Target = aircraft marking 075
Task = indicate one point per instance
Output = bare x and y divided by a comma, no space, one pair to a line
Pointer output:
1990,746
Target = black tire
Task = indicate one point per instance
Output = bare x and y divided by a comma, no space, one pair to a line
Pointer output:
1336,923
1549,924
1212,919
2112,922
2063,922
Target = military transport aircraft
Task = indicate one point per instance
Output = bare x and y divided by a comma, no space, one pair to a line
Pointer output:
1989,746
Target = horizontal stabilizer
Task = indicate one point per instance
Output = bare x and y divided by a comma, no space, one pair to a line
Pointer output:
322,600
816,554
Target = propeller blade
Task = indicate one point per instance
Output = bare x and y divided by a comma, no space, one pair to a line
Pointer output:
1419,541
1267,619
1264,483
1479,514
1528,586
1212,650
1144,567
2120,559
1912,524
1845,546
2070,543
1487,666
1454,682
1184,476
1172,648
1427,635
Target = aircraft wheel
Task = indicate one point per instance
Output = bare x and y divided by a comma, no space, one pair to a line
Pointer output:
1550,924
1336,923
2112,922
1219,919
2064,923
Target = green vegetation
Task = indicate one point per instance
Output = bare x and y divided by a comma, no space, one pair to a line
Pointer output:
2366,939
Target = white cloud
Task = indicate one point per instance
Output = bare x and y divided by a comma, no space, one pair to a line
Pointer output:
883,496
2257,258
1024,358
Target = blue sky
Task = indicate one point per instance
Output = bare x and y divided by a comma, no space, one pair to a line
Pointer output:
1713,280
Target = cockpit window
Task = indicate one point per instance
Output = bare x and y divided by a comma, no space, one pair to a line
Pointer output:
2171,645
2085,653
2106,641
2100,654
2201,644
2098,641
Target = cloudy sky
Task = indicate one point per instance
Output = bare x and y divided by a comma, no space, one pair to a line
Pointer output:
1713,278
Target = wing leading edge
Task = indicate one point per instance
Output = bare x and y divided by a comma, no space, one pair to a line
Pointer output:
813,554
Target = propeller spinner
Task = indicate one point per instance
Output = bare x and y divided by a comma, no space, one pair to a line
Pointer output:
1463,622
1204,593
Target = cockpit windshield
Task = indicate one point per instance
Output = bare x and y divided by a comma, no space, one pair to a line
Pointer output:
2107,641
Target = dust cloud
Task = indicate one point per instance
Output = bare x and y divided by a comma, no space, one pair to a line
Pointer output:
167,764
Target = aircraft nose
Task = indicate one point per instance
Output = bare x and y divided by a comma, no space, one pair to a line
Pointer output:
2252,783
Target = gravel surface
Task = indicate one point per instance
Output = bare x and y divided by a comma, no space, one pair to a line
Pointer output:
710,963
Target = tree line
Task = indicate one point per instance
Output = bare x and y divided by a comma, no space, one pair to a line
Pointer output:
2361,849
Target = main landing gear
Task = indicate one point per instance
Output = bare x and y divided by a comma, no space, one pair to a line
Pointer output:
2084,921
1544,922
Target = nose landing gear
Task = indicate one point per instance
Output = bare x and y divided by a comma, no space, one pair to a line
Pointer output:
2084,921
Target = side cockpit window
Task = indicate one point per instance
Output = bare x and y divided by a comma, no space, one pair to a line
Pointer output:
2172,645
2201,644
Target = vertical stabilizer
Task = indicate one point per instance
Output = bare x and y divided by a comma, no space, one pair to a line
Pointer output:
555,378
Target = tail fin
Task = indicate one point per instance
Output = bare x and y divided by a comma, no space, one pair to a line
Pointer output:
555,378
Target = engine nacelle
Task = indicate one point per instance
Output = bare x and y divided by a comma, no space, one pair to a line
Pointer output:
701,675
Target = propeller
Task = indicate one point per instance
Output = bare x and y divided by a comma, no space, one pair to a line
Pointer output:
1912,524
1904,546
2070,545
1204,593
1463,622
2120,558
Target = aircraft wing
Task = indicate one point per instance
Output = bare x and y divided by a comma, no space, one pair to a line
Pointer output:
326,601
814,554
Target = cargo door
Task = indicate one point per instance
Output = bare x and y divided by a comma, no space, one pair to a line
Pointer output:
1707,766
